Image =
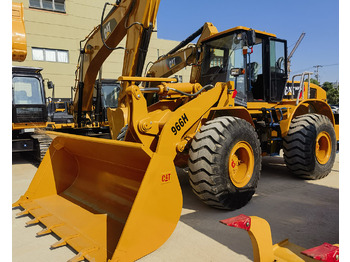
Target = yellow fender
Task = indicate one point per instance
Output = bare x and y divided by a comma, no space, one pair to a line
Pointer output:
308,106
237,111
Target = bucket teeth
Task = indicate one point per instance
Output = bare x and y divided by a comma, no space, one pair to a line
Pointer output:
77,258
44,232
23,213
81,255
48,230
26,211
32,222
21,200
59,243
63,241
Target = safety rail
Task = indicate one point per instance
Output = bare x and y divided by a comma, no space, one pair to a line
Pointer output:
301,86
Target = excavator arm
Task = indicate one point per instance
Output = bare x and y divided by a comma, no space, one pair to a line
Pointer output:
182,56
131,18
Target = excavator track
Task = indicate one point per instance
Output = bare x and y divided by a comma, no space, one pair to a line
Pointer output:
42,143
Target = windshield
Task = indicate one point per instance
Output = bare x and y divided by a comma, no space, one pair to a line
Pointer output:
110,95
60,105
26,91
220,56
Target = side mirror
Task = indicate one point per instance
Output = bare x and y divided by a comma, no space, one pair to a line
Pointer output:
251,39
50,85
237,72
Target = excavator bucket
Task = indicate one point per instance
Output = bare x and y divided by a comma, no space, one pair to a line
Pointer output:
109,200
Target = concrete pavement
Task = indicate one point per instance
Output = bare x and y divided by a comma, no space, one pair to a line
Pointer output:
306,212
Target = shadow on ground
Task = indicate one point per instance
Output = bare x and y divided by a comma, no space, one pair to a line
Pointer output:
24,158
306,213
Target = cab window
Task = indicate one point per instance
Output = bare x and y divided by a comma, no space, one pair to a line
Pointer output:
26,91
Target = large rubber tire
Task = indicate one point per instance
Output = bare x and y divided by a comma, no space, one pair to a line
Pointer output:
310,146
209,160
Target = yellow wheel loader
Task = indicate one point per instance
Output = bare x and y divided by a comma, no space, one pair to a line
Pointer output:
116,200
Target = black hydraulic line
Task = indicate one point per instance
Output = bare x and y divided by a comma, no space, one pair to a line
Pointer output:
80,90
80,102
143,49
101,28
98,110
186,41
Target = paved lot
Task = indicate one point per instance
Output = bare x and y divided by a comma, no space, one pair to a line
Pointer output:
306,212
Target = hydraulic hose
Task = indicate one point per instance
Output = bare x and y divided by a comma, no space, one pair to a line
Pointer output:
195,94
156,89
101,31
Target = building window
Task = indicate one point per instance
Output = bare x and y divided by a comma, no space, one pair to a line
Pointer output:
52,5
179,78
50,55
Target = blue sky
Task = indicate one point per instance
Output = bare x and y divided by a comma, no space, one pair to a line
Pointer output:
319,19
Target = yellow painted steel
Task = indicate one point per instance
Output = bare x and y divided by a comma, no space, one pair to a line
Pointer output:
107,199
235,29
19,126
241,164
19,41
260,236
127,20
265,251
186,55
114,200
134,79
323,148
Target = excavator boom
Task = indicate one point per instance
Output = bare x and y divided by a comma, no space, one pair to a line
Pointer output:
132,19
19,41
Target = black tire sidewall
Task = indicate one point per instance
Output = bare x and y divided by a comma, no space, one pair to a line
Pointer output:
300,144
327,167
239,134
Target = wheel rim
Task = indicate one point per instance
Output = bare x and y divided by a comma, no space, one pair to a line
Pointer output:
323,147
241,164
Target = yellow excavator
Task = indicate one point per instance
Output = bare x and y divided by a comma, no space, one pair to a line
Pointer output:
113,200
29,111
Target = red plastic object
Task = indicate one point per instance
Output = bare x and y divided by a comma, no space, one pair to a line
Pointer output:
234,93
241,221
325,252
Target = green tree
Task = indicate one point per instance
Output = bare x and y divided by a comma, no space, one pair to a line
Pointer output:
333,96
327,86
314,81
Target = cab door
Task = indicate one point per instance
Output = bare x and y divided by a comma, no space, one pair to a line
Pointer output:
278,68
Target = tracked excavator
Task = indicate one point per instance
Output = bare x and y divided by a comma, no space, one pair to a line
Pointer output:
29,111
114,200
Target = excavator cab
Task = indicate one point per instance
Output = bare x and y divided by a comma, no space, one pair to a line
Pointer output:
239,55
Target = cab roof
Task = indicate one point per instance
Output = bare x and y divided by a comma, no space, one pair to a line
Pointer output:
238,28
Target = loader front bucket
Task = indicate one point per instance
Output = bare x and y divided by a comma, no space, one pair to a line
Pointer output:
109,200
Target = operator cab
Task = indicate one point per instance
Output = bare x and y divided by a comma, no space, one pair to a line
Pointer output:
28,95
108,95
254,60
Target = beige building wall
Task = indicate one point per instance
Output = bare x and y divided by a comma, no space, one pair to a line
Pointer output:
64,31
